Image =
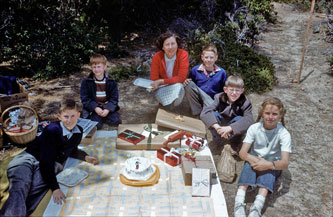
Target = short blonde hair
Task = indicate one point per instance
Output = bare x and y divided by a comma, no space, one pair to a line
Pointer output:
234,81
98,58
272,101
209,47
69,104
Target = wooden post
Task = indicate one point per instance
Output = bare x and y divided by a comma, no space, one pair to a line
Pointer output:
305,41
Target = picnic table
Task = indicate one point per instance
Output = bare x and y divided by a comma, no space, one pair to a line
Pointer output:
103,194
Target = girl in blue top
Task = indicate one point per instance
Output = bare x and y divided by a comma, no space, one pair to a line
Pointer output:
265,151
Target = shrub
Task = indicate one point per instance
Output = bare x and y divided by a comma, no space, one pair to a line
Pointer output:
122,72
256,70
44,40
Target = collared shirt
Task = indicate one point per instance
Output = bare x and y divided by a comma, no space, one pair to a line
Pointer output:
69,133
211,73
211,83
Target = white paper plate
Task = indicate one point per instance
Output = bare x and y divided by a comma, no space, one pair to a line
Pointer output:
71,176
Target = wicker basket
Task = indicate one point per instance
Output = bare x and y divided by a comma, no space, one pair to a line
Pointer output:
24,137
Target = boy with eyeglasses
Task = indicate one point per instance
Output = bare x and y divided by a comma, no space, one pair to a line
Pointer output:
230,115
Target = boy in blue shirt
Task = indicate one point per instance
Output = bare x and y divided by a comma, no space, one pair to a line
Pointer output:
99,94
205,80
33,172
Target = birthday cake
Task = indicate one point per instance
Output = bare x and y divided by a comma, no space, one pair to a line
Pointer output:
138,168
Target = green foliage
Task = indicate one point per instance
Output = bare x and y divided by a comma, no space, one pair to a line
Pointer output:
123,72
52,38
246,18
256,70
46,41
261,9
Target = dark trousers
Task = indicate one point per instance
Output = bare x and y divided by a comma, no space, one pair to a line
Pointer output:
218,142
26,186
113,118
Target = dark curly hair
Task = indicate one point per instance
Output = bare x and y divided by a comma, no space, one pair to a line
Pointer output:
160,40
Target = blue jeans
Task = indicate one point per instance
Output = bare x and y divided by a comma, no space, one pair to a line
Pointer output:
222,121
264,179
235,141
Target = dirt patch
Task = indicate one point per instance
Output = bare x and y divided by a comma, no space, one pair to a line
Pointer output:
305,189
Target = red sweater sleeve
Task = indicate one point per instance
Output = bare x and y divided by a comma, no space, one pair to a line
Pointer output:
180,70
156,66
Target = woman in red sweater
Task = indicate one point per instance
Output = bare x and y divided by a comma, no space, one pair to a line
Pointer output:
169,69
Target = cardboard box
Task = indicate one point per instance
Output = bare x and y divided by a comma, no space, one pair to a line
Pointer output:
150,143
13,99
204,162
89,139
201,182
174,121
169,156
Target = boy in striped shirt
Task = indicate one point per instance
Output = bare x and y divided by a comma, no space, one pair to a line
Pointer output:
99,94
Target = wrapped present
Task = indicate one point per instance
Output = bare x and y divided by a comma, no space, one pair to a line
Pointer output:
174,121
195,142
154,139
131,136
204,162
169,156
200,182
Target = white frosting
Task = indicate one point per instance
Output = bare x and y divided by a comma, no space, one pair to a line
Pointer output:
138,168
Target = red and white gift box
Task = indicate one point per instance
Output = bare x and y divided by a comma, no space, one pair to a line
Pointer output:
169,156
195,142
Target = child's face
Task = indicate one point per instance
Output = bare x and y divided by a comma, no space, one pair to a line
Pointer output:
233,93
69,118
208,58
170,47
271,115
98,70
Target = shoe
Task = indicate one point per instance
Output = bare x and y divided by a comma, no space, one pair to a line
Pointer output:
239,210
254,211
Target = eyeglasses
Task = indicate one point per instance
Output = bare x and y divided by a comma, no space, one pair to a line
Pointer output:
234,90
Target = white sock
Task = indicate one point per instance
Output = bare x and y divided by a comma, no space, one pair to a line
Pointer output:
260,201
240,196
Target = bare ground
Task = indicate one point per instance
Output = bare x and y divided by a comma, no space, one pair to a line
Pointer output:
305,189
